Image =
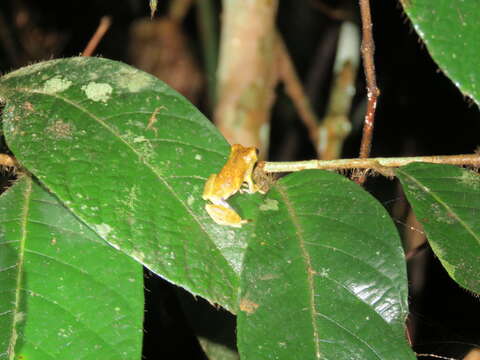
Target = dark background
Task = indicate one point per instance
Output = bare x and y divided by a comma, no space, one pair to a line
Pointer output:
420,112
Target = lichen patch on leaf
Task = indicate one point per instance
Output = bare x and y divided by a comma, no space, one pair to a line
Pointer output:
56,84
98,91
134,80
269,204
471,178
28,107
60,130
143,146
103,230
441,215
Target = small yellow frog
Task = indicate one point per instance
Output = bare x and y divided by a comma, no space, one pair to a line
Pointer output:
219,187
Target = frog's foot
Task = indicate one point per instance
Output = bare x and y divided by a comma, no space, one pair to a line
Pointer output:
259,189
251,189
224,215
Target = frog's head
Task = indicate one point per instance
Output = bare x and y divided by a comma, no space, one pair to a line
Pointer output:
249,154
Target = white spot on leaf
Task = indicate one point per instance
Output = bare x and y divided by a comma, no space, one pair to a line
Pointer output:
103,230
97,91
56,84
269,204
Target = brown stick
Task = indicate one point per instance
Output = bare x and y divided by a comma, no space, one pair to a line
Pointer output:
380,165
178,9
367,50
331,12
336,126
102,28
294,88
436,356
413,252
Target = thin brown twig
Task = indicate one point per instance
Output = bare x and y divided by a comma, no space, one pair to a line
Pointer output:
368,50
294,88
437,356
415,251
102,28
179,9
332,12
336,126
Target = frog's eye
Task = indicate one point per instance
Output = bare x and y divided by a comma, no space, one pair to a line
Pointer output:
257,151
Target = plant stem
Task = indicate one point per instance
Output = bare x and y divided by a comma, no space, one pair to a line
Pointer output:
335,126
247,73
372,163
294,89
367,50
103,27
178,9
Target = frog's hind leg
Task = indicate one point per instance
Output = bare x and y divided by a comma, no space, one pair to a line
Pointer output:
224,216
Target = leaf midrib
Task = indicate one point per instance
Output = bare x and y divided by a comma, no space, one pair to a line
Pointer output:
437,198
20,267
308,263
302,242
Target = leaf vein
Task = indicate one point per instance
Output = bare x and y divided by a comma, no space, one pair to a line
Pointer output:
308,264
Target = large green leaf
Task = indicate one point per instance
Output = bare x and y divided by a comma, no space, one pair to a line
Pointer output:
325,276
450,29
65,294
446,201
130,157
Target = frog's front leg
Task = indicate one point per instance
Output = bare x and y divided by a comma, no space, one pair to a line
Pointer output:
250,187
224,215
208,189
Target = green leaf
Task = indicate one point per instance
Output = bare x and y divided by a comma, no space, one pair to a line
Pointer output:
65,293
450,31
446,201
325,276
129,156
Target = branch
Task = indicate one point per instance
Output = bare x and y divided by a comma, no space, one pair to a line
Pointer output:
367,50
247,73
382,165
178,9
103,27
335,126
294,88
